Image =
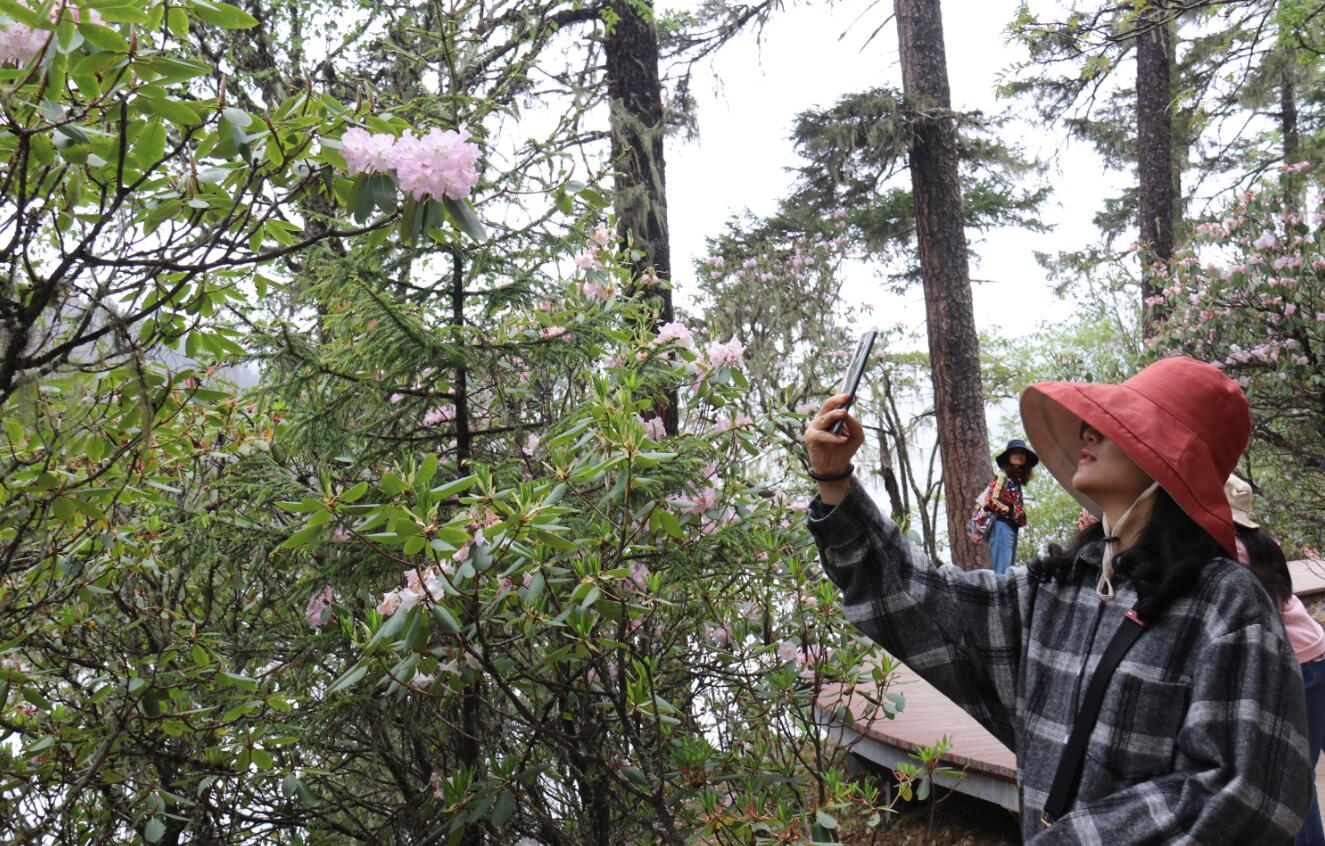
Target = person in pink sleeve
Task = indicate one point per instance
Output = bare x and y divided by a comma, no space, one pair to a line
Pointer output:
1263,556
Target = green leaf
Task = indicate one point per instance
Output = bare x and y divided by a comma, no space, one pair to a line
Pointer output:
826,820
174,111
302,537
447,620
178,21
426,471
103,37
503,809
223,14
21,13
355,493
349,679
462,213
450,489
154,830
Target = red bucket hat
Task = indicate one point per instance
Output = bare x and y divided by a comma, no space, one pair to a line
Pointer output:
1182,421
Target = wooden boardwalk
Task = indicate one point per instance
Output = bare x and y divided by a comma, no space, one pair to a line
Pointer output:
927,716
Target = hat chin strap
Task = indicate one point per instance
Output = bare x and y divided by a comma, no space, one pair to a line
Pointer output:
1104,588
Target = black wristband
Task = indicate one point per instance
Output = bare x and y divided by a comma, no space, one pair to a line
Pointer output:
836,477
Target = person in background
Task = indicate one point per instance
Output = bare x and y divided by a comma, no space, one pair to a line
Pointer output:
1016,466
1264,557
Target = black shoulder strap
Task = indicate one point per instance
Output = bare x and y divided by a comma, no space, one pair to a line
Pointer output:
1068,775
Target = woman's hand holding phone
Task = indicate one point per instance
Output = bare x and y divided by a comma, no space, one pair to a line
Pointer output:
829,453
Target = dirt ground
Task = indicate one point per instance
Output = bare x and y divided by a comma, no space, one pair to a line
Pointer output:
959,820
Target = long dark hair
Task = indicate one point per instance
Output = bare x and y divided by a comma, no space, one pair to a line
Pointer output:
1266,560
1164,563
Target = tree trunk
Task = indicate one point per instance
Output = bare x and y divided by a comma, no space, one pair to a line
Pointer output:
1154,150
636,113
1294,184
941,232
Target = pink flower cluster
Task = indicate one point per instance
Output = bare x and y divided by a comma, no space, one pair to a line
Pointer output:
318,611
19,43
677,332
730,354
439,165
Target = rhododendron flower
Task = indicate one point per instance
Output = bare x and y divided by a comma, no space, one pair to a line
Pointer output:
587,259
439,165
595,291
318,611
366,152
421,681
601,237
639,575
717,635
724,424
807,408
461,555
789,651
390,602
701,502
678,332
438,415
731,353
552,332
19,43
531,445
395,398
656,428
1267,241
435,782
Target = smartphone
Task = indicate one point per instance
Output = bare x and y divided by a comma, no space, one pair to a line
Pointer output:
854,372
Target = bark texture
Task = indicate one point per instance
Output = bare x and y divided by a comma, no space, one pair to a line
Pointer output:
634,93
1157,184
941,232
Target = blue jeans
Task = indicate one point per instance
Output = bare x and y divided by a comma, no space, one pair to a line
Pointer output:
1003,545
1313,679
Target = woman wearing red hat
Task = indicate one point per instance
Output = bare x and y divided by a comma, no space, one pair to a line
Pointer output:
1197,731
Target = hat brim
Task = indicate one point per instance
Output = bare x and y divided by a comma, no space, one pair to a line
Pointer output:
1052,414
1031,458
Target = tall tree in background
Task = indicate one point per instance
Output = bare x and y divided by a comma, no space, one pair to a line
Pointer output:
940,231
635,102
1157,173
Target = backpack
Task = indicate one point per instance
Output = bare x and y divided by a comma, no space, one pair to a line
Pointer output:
981,522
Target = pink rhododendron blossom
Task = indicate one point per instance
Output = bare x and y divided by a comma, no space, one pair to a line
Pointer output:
639,575
390,602
528,579
587,259
702,501
719,636
435,782
437,415
1297,167
19,43
656,428
807,408
601,237
439,165
531,445
790,652
678,332
1267,241
366,152
461,555
395,398
731,353
421,681
318,611
596,291
1290,309
552,332
724,424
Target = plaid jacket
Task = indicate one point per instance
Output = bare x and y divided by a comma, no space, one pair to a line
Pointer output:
1200,738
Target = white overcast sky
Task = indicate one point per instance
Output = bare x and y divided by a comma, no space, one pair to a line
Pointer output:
749,97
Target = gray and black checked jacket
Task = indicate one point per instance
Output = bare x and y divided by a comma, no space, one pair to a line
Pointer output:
1201,737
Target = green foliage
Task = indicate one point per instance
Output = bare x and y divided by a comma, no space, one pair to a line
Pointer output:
1248,297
